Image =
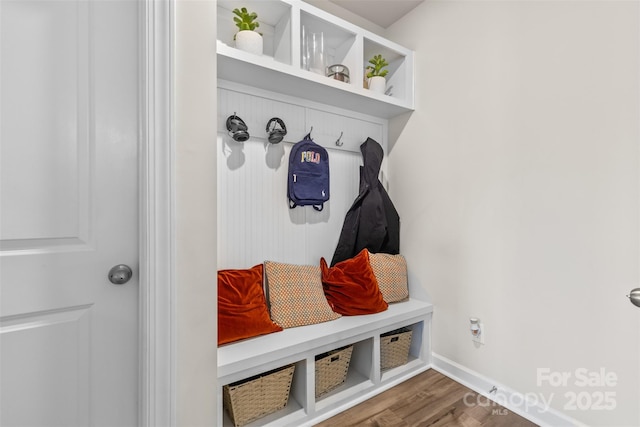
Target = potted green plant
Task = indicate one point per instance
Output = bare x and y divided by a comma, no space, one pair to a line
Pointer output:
247,38
376,73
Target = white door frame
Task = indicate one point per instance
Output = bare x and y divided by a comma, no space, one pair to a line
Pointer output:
157,390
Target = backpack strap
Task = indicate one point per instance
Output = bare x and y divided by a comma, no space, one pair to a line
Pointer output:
318,207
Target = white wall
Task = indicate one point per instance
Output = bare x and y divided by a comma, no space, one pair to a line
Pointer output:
517,182
195,201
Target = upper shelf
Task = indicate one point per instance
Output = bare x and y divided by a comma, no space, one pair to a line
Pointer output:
281,69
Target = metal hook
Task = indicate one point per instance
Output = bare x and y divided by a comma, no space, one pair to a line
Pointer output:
338,142
308,136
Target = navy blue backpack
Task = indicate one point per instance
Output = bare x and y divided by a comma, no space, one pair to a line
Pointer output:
308,175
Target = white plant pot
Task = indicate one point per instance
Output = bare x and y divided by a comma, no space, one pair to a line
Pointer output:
249,41
377,84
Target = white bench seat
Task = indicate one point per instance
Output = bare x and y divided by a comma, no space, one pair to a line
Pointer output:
246,358
239,356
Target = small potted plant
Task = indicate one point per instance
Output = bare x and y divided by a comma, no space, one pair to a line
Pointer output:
247,38
376,74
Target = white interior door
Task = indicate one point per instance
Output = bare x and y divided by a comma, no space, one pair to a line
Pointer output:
68,152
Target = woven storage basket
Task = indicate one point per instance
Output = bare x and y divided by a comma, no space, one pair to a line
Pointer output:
255,397
331,369
394,348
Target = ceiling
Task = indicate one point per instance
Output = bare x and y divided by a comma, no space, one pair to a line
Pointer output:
380,12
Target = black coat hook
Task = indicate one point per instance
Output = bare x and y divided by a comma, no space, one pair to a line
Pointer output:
338,142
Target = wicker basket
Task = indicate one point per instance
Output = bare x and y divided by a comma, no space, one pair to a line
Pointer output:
331,369
255,397
394,348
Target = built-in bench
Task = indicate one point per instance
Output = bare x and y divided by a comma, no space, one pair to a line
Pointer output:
299,346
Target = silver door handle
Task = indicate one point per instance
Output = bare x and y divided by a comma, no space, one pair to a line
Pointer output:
634,296
120,274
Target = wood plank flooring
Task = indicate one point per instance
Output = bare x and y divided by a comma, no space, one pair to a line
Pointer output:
429,399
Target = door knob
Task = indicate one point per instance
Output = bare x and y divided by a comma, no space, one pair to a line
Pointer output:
120,274
634,296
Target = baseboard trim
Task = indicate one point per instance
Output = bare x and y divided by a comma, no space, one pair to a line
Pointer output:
504,396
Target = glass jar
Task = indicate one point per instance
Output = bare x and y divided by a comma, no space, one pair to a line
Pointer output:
338,72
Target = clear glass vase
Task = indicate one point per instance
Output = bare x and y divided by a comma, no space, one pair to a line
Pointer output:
313,56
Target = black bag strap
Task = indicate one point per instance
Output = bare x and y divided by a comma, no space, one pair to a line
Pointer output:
293,204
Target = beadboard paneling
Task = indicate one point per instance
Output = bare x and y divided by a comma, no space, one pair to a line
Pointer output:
329,127
256,111
254,220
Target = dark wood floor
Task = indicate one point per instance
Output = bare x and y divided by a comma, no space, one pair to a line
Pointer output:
429,399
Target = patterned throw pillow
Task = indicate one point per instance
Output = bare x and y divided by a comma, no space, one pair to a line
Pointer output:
391,273
295,295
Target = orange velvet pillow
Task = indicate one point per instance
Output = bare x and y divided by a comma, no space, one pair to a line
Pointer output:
351,287
242,307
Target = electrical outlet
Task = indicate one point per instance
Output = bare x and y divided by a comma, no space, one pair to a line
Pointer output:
479,338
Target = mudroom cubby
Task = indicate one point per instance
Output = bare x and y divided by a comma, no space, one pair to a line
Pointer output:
275,26
341,45
415,352
293,412
255,222
399,69
359,377
280,67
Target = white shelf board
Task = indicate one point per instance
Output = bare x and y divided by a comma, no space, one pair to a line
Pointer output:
265,72
236,357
